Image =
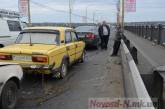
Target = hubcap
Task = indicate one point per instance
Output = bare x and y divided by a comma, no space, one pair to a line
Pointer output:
64,69
83,56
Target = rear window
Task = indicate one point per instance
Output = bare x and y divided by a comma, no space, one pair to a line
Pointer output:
14,25
38,38
87,29
81,34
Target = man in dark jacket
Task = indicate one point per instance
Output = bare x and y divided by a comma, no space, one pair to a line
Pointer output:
117,41
104,33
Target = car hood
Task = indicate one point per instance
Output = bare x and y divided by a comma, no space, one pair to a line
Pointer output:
27,49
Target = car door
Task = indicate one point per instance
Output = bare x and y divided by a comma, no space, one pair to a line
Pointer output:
70,46
78,45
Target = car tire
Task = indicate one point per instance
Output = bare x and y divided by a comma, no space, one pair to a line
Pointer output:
64,69
83,57
10,89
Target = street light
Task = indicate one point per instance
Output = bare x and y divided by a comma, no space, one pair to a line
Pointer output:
70,14
87,12
29,14
71,2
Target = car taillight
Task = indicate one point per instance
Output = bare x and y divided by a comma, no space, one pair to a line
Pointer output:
39,59
90,36
5,57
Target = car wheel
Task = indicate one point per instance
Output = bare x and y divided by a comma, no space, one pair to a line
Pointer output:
9,95
64,69
83,57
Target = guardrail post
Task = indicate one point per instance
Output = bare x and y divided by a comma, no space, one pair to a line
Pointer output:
152,31
146,32
138,27
159,33
142,31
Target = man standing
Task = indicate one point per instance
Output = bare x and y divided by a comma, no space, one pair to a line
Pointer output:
104,33
117,41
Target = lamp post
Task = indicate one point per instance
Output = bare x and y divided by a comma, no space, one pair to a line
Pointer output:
122,14
29,14
86,12
93,17
70,14
94,14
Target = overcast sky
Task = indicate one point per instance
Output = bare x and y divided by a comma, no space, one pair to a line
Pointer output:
147,10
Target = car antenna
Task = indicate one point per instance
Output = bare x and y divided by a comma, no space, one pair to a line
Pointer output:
31,41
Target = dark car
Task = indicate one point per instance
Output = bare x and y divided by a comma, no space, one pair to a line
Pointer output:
89,34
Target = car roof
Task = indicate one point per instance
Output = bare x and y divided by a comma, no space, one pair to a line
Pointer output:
48,28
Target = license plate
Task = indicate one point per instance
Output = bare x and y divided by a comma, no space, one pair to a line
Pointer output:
22,58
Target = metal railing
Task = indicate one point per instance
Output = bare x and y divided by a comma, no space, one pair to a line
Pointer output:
134,86
153,32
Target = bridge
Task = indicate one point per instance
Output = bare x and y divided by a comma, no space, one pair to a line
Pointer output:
134,79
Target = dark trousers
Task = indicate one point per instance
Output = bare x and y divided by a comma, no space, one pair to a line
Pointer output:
104,42
116,47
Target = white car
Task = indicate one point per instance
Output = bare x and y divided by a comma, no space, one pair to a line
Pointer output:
10,27
10,78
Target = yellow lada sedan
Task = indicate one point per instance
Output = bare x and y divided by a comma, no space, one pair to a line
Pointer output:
46,50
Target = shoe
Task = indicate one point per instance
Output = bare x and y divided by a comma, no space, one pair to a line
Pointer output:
112,55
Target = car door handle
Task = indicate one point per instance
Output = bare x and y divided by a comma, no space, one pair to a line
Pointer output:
67,48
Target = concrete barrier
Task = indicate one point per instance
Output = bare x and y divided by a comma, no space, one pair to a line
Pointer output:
133,83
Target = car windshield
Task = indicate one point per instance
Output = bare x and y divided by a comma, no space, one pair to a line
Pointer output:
38,38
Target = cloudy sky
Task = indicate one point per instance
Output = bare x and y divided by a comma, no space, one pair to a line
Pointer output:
48,10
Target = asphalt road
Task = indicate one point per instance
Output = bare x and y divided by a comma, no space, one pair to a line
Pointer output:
98,77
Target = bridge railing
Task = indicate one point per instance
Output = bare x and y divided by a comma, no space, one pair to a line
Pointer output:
155,33
133,83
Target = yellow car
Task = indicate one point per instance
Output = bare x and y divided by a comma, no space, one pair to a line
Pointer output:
47,50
